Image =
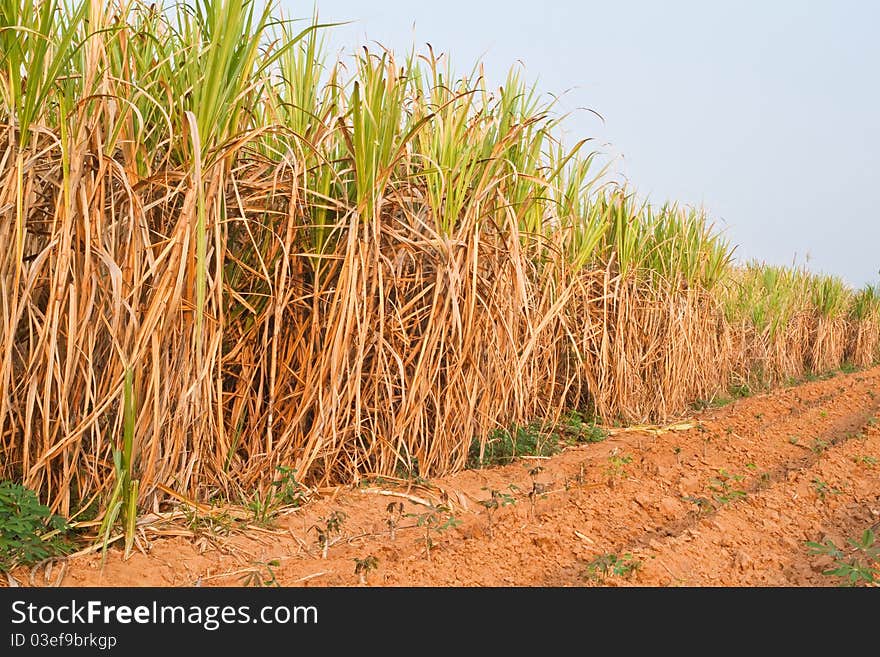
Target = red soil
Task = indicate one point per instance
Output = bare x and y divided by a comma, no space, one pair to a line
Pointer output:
794,465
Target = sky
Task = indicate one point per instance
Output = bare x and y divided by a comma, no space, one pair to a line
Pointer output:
765,113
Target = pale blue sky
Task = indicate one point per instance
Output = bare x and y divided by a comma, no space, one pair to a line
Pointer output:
764,112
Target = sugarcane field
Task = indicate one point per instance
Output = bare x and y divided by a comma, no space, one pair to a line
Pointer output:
273,315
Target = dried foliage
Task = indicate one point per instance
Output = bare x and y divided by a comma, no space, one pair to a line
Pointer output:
275,262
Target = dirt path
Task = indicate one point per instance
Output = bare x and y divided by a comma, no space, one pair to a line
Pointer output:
731,500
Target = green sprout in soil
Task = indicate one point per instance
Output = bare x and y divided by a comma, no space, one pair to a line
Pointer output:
395,513
723,487
496,500
822,488
261,509
611,564
437,520
207,528
363,567
616,468
538,489
287,490
332,525
860,566
819,446
284,491
262,574
704,504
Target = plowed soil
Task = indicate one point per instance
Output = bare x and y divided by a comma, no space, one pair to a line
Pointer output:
728,497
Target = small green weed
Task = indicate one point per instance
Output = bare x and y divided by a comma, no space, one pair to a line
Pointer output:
741,391
704,504
819,446
496,500
363,567
220,524
330,527
262,508
581,430
437,520
616,468
395,513
822,488
611,564
284,491
723,487
288,491
29,532
863,564
503,446
591,433
261,574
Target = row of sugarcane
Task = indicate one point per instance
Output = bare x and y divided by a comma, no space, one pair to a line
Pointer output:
226,255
